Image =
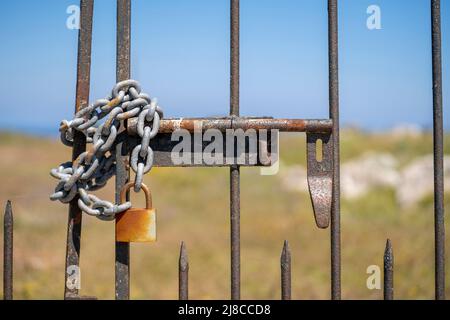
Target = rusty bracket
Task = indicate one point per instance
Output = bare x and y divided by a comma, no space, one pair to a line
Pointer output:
320,175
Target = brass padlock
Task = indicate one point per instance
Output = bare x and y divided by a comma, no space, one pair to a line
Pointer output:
136,225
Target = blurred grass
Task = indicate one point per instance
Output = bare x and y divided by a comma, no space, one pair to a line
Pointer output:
193,205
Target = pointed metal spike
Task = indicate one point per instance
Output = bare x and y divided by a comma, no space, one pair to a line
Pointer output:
286,252
184,260
388,271
285,262
388,249
8,253
183,272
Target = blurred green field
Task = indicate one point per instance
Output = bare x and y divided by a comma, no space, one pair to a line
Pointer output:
193,205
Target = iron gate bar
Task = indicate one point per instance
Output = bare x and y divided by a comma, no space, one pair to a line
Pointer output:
79,140
235,210
8,226
285,264
438,154
388,260
122,265
334,115
183,273
244,123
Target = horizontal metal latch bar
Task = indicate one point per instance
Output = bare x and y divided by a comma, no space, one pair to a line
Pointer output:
244,123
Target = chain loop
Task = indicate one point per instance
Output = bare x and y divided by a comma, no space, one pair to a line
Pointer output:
93,168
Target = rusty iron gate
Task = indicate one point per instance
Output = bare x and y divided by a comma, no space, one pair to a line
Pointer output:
323,176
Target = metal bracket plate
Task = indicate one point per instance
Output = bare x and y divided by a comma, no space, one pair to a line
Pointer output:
263,155
320,176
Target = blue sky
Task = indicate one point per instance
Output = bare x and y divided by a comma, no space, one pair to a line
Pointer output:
180,54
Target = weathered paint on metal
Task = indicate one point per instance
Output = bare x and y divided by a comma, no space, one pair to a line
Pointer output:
320,176
244,123
79,141
136,224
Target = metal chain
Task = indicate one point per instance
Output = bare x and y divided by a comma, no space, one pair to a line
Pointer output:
94,167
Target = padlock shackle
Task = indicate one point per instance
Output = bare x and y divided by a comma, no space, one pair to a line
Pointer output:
148,195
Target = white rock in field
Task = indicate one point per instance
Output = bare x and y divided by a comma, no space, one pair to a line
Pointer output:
368,171
372,170
417,180
357,176
406,130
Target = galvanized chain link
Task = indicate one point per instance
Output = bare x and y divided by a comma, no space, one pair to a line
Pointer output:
94,167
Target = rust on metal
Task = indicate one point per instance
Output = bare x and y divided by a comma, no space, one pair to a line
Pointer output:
114,102
171,125
79,140
123,45
148,195
320,176
283,125
244,123
136,225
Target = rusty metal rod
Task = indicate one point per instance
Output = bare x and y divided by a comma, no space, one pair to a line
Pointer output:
235,214
334,115
183,273
122,266
438,148
285,262
388,271
8,225
222,124
79,141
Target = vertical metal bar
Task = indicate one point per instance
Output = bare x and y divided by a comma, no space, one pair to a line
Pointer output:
334,115
8,253
234,58
183,273
438,146
79,141
234,170
285,262
388,271
122,168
